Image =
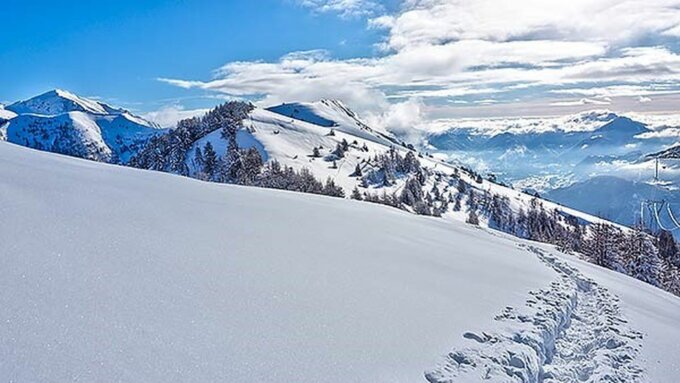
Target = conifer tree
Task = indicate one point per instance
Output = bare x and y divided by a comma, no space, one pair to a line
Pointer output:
602,247
210,161
472,218
642,257
668,248
356,194
357,171
198,159
316,153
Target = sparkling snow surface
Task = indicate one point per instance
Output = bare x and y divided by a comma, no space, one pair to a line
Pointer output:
114,274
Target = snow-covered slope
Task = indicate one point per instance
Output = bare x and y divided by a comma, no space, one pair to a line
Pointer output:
291,142
336,115
61,122
6,114
116,274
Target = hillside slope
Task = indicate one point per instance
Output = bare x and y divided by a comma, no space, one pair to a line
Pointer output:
292,142
116,274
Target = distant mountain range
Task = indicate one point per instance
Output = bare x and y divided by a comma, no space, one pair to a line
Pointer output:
598,162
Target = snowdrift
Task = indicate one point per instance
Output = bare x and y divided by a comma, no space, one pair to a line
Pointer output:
115,274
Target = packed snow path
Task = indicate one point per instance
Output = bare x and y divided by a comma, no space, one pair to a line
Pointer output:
571,331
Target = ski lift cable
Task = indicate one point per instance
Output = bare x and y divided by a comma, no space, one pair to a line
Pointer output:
670,214
658,220
656,217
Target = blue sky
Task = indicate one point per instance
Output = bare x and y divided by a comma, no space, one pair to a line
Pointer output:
398,62
117,49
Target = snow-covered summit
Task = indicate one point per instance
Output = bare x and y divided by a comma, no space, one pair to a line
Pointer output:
333,114
59,101
62,122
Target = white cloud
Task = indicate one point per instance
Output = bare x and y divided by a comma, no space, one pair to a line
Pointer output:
346,8
662,133
427,22
401,117
583,101
168,116
456,51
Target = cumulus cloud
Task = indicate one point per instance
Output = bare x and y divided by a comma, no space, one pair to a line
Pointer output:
168,116
474,52
426,22
400,117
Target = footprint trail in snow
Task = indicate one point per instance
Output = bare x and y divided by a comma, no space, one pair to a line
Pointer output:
571,331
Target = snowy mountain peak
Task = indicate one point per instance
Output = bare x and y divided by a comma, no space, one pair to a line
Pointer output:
338,105
623,125
59,101
60,121
595,116
333,114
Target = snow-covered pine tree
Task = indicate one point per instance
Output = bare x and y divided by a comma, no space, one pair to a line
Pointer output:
457,203
603,246
232,164
333,190
199,165
251,162
357,171
412,192
339,152
180,142
670,277
668,248
410,164
210,162
642,256
462,186
471,201
198,159
316,153
472,218
521,224
571,238
356,194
